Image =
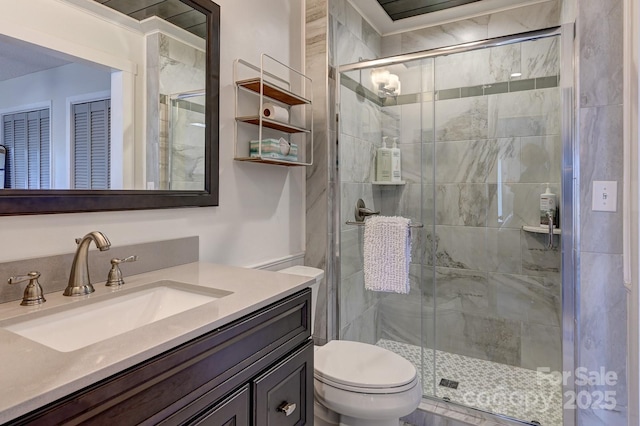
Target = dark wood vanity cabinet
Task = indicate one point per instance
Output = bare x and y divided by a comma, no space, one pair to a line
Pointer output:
255,371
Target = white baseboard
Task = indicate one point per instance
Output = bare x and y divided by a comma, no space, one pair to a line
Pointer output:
281,263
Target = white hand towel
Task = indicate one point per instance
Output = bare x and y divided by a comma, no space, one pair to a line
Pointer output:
387,254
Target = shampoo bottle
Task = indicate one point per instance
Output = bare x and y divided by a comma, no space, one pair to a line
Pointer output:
383,162
396,163
547,207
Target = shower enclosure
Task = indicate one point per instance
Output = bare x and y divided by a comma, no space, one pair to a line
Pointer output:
480,128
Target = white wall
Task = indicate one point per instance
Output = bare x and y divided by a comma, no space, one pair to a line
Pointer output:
261,212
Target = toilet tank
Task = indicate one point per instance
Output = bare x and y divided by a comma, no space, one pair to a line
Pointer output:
315,273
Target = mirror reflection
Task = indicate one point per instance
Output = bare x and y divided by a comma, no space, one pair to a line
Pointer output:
106,101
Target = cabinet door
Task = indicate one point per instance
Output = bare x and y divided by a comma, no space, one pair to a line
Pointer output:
234,411
283,395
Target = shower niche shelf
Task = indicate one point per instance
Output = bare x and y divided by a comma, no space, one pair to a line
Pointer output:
286,89
541,230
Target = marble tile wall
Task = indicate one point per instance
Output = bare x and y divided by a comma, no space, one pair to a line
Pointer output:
514,21
319,234
602,324
157,113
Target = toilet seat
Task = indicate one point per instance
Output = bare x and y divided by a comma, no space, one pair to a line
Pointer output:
357,389
363,368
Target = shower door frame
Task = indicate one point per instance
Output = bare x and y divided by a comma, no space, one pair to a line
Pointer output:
569,214
173,100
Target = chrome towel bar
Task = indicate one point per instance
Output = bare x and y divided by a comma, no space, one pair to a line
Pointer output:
413,225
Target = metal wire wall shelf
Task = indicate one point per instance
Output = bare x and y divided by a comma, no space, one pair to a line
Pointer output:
257,137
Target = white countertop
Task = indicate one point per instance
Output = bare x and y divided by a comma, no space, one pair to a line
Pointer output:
32,375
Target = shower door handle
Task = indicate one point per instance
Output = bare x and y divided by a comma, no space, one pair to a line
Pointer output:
550,238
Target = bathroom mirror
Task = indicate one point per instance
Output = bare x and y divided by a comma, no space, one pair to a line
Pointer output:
137,124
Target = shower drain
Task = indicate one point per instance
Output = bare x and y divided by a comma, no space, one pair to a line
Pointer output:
451,384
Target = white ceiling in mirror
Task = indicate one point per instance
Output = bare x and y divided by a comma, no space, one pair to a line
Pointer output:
378,18
18,59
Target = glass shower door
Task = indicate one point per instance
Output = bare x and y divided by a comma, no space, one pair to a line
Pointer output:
498,285
399,322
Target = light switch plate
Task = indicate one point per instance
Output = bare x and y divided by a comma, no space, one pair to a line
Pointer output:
605,196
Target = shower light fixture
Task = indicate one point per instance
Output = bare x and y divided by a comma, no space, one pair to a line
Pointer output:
385,83
516,74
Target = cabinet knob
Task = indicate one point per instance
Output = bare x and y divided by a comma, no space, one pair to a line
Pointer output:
287,408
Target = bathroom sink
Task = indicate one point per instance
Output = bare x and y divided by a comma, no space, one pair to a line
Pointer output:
94,319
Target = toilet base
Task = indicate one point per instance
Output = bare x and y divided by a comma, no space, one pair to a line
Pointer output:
325,417
322,416
350,421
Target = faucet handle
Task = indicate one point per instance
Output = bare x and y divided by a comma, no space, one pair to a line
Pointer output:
125,260
115,274
33,294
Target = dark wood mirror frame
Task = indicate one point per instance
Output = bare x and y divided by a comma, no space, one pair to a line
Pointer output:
22,202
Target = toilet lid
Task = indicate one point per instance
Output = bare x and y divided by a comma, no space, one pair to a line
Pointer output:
362,365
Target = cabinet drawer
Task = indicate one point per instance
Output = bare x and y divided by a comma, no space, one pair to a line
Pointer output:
283,395
234,411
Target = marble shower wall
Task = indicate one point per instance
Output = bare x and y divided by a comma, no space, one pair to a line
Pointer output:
497,144
513,21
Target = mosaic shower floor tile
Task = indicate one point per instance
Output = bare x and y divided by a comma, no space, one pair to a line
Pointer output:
515,392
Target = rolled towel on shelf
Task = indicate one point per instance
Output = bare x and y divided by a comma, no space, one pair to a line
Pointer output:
279,149
275,156
387,254
275,112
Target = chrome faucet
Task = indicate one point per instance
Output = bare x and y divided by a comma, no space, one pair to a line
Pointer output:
79,283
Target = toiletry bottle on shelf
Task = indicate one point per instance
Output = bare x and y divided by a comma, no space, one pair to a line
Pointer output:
547,207
383,162
396,162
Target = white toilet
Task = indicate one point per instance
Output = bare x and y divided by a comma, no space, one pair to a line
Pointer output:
356,383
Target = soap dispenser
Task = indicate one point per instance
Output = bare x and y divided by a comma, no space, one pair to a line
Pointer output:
547,207
396,162
383,162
